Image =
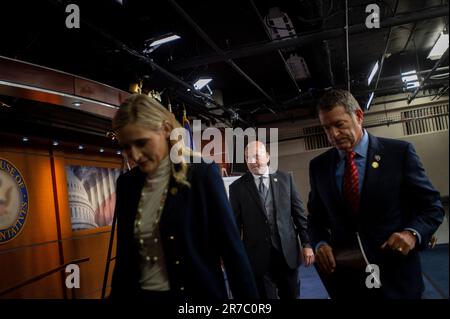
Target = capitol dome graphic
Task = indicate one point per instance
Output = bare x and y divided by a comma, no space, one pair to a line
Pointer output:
82,213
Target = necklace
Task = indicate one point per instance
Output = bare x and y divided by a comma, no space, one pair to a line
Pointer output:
149,246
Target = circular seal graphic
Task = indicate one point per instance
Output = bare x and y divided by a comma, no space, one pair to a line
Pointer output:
13,201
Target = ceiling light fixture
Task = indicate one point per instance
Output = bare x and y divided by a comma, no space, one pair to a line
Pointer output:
201,83
164,39
439,47
409,76
372,73
55,143
153,43
80,147
77,103
370,100
412,85
25,139
119,153
410,79
102,150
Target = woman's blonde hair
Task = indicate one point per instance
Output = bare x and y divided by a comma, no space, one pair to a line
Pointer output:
144,110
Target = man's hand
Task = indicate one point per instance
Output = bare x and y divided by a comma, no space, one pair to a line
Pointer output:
402,242
325,259
308,256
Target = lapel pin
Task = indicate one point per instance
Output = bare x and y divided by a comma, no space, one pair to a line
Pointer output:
377,158
173,191
375,164
275,179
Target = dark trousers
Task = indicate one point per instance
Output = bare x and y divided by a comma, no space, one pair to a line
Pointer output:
280,281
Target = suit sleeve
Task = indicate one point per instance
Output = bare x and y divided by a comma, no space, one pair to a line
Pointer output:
232,250
236,207
298,214
318,223
425,202
117,277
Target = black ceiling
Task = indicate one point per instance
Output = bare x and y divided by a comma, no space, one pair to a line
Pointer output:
255,83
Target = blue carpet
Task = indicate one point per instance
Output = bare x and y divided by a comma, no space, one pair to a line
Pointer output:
311,286
435,269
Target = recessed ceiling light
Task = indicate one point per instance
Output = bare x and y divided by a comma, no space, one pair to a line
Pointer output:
25,139
77,103
119,153
80,147
55,143
101,150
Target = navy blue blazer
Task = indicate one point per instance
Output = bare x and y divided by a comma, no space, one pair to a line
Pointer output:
395,195
197,231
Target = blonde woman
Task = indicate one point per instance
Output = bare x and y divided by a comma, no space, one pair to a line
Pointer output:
174,221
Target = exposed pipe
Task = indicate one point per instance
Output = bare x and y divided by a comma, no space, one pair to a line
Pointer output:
306,38
399,76
158,68
409,37
279,51
347,65
330,67
399,100
211,43
438,96
437,64
385,48
381,123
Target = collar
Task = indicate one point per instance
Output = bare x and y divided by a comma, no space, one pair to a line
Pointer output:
266,174
361,148
162,172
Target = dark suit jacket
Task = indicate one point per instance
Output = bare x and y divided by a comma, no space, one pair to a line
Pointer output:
197,229
395,195
252,220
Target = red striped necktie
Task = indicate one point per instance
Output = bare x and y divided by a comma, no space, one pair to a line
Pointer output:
350,188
